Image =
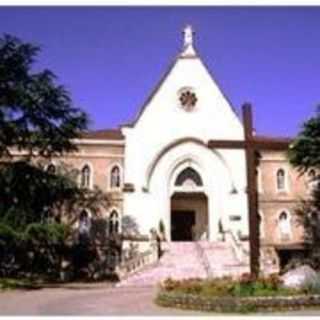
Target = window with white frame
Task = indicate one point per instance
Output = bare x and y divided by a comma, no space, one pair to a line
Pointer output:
284,225
281,180
85,180
115,177
114,224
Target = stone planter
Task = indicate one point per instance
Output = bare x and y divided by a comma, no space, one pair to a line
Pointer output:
235,304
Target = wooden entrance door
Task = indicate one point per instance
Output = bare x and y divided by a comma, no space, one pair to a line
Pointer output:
181,225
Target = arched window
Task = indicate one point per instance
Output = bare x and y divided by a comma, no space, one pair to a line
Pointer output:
284,225
114,223
115,180
188,177
281,180
84,223
85,177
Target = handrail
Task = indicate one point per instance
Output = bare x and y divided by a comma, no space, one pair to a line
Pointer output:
241,254
136,263
204,258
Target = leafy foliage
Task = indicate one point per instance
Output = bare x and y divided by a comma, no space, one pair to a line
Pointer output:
50,233
9,283
304,151
34,250
38,121
246,286
30,194
304,154
36,114
42,252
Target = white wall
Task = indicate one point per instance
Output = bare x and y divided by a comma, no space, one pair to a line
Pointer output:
166,136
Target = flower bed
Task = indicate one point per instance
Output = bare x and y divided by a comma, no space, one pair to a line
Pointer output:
227,295
236,305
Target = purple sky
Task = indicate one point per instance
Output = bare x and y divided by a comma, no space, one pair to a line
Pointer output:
110,58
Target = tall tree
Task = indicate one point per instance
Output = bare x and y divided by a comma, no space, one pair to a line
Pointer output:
31,194
38,119
36,113
304,154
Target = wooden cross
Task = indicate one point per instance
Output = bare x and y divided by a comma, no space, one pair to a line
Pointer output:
252,146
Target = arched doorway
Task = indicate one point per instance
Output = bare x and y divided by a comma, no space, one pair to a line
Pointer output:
189,216
189,208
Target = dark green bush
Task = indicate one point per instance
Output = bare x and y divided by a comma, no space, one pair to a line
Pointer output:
41,251
8,235
40,233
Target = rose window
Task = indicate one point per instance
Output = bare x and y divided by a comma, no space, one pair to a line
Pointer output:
188,99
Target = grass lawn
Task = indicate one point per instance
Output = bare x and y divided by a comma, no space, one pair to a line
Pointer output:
9,284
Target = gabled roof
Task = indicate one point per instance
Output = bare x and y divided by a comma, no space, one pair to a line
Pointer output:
163,78
188,52
107,134
115,134
273,143
269,139
153,93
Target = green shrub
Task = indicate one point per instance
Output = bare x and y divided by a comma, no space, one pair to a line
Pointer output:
46,233
246,286
8,235
187,286
8,283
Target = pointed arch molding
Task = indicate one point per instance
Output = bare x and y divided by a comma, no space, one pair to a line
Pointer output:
151,168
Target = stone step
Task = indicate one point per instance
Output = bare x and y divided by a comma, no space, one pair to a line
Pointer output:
183,260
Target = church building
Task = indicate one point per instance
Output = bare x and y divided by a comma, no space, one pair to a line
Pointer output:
160,171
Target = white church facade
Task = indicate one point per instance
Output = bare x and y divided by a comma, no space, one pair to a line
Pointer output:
160,171
175,177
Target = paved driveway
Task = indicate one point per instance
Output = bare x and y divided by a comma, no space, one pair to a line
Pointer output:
83,301
95,300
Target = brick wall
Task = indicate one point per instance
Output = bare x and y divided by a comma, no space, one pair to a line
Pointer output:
272,201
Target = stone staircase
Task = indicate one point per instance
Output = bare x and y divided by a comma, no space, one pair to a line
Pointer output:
181,260
222,259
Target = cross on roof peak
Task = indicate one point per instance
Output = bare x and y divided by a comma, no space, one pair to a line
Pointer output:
188,35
